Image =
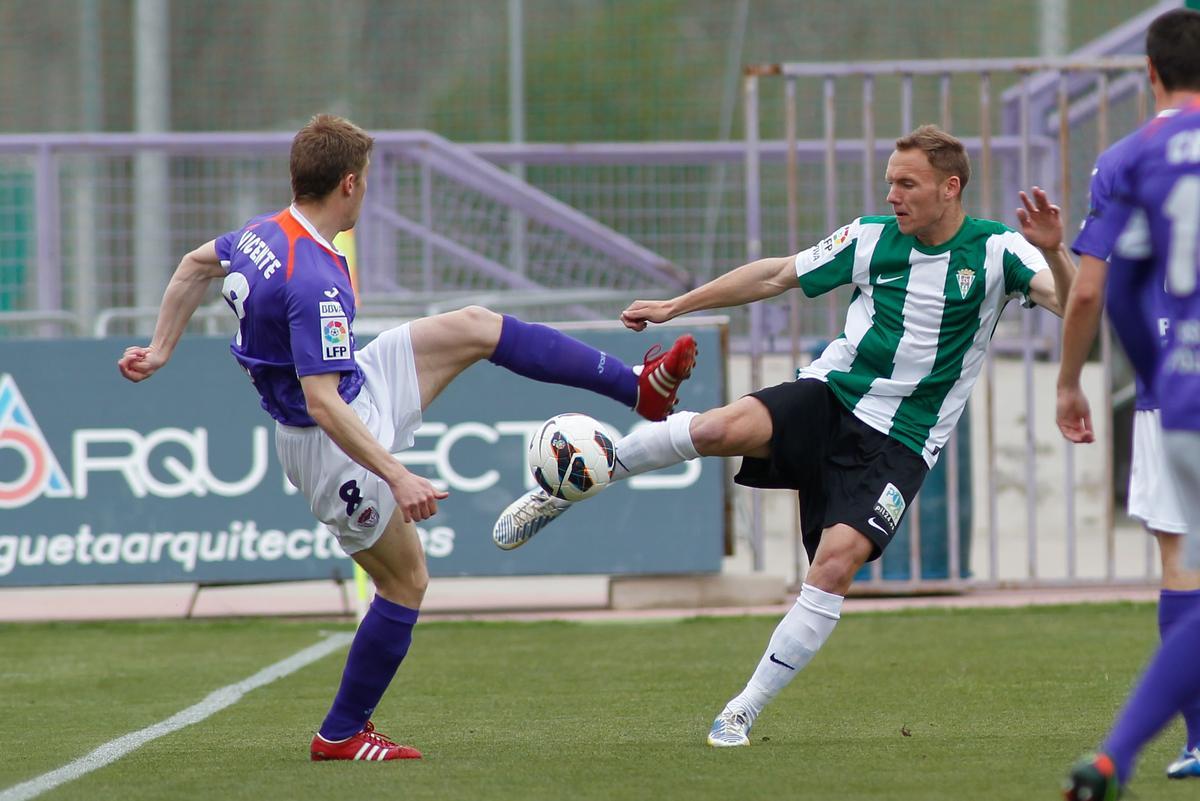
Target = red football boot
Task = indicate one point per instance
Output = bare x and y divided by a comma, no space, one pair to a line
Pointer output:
662,373
367,746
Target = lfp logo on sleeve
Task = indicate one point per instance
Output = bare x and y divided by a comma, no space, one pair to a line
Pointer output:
335,331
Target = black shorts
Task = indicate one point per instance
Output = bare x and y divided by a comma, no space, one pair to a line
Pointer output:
844,470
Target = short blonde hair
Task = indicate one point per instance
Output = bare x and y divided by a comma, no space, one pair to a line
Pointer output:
946,154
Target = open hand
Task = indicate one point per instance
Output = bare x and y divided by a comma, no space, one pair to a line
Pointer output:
1074,415
1041,221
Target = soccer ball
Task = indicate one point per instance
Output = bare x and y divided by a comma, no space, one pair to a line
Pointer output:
571,457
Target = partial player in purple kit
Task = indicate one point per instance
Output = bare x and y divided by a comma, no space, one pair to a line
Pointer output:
1152,498
341,412
1158,190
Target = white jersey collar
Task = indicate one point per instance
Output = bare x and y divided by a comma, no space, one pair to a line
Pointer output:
308,226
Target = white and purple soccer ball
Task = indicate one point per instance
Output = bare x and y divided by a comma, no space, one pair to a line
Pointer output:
571,457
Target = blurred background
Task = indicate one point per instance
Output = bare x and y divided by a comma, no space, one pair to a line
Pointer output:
593,70
558,158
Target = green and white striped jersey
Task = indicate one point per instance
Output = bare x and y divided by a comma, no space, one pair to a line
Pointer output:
919,320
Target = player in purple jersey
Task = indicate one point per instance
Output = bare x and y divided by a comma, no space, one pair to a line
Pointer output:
341,412
1152,499
1158,194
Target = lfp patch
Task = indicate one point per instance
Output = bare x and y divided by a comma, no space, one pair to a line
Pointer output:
890,506
335,333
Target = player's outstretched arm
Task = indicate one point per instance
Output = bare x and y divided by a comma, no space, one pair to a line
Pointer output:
1041,224
1085,306
415,496
183,296
757,280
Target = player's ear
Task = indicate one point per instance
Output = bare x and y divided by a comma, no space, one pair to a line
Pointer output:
952,188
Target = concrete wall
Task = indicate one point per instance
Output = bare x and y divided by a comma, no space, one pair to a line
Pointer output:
784,557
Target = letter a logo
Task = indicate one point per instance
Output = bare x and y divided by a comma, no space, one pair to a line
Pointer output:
42,474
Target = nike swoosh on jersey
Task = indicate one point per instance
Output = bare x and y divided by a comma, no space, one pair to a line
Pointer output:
889,279
871,522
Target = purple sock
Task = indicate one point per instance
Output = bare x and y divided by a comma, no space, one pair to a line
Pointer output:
545,354
1170,684
1173,606
379,646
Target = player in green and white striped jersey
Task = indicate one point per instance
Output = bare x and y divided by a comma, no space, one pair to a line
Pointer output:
919,322
858,430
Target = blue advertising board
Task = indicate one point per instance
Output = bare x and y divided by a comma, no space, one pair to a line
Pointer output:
176,479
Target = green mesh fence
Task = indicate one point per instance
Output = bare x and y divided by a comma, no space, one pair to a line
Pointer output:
597,70
16,233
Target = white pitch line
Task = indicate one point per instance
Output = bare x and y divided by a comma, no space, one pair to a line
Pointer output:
215,702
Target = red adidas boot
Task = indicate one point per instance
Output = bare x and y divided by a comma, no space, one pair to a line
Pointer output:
367,746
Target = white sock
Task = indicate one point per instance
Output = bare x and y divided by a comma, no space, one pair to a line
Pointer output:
656,445
796,640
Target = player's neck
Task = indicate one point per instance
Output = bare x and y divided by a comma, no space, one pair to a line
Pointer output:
1177,99
942,231
325,217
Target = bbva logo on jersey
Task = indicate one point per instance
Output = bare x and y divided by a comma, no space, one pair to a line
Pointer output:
19,431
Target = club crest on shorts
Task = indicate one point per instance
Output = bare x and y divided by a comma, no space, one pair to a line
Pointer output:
367,518
890,506
966,279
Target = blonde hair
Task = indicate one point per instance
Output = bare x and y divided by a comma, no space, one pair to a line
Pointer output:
946,154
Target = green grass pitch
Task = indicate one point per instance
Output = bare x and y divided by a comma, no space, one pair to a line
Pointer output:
917,705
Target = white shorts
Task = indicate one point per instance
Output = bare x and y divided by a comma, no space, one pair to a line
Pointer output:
352,501
1153,500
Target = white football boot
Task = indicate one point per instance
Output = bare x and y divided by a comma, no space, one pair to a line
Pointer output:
525,517
1188,765
731,729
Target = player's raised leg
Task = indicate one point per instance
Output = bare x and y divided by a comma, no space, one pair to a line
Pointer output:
396,563
742,428
801,633
446,344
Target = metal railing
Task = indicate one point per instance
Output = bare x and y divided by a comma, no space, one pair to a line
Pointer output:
437,217
1033,136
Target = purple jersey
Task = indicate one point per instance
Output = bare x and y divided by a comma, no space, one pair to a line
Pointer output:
1159,190
1100,230
291,292
1097,235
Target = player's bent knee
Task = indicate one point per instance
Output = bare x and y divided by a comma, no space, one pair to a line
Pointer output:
716,433
407,589
480,318
708,432
479,326
841,553
833,574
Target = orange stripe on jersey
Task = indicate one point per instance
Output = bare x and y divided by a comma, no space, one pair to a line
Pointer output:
294,230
